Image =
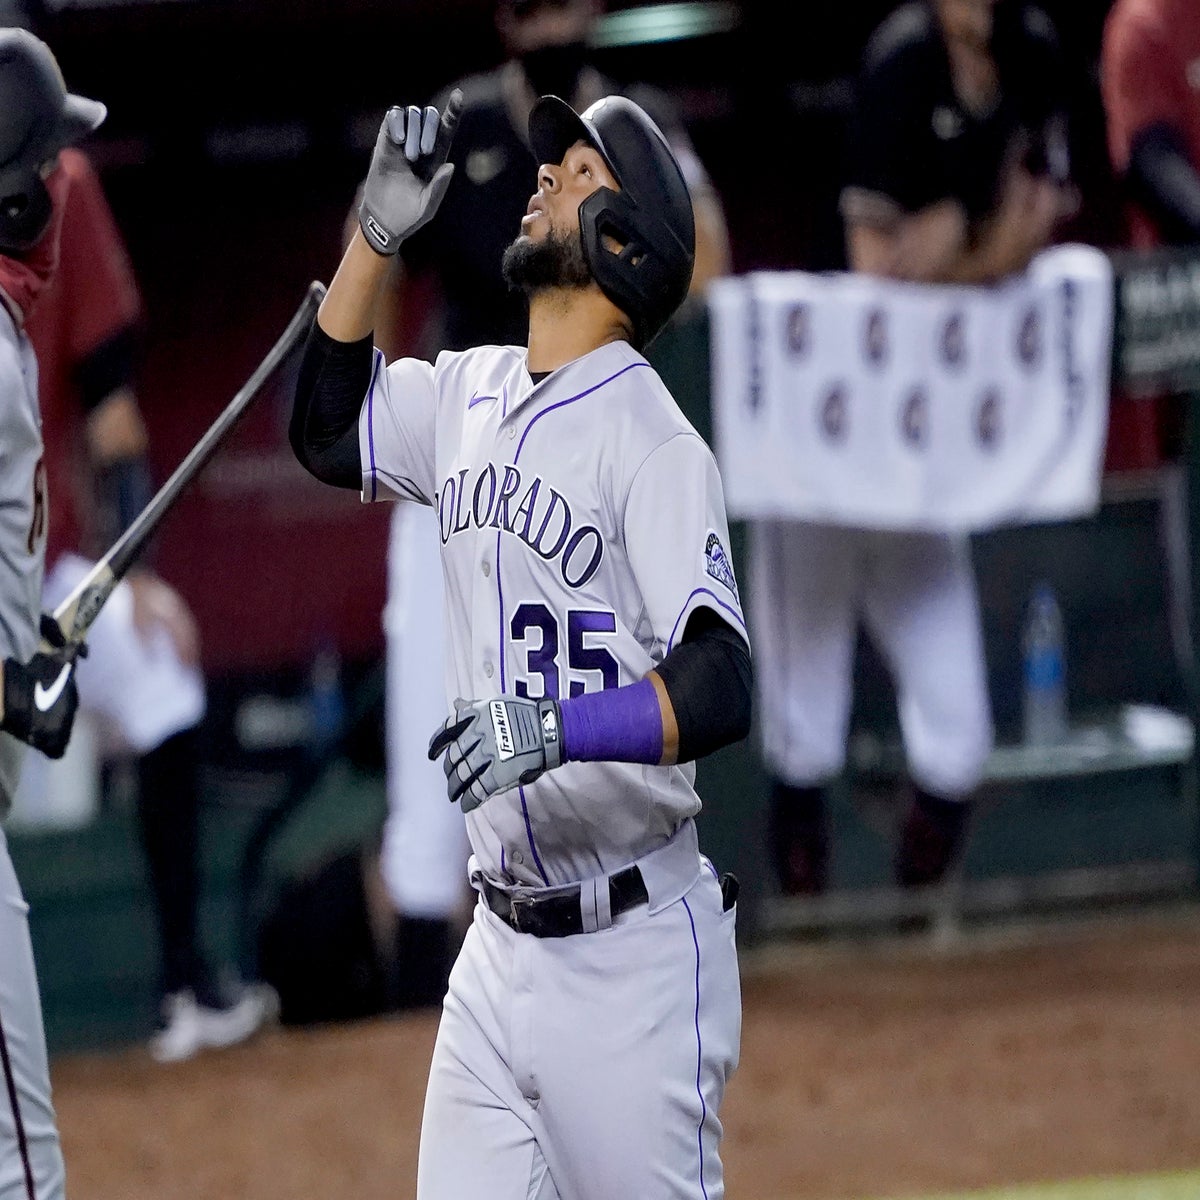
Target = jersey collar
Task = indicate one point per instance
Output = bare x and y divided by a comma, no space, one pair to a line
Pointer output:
577,375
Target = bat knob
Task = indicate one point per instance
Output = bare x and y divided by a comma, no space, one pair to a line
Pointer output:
54,637
52,633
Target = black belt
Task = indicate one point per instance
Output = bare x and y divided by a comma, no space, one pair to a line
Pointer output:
560,914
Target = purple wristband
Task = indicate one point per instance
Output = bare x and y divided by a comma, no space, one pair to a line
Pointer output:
619,725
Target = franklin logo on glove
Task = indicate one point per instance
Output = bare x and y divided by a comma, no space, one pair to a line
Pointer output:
503,730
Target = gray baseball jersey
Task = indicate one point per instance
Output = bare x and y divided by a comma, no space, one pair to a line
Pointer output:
582,522
23,520
30,1156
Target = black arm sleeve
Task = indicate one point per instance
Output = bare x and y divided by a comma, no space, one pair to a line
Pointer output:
708,679
1165,181
333,381
123,486
106,369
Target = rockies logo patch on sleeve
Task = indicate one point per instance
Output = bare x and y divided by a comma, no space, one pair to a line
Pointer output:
717,564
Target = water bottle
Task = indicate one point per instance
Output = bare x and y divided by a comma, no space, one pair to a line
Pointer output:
326,701
1044,669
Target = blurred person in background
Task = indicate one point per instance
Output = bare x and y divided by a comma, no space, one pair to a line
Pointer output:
38,698
141,681
448,293
958,172
1150,80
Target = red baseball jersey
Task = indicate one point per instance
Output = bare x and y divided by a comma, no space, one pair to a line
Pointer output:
91,298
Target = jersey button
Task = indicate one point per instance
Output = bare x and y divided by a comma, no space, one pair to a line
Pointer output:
517,857
489,670
487,568
512,432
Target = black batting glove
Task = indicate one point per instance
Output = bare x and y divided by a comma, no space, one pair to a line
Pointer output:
40,699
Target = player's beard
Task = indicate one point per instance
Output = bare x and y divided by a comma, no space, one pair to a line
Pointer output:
557,261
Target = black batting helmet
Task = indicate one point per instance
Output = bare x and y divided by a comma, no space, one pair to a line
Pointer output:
38,117
650,218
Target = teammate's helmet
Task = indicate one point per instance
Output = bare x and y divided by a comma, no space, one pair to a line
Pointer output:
650,218
38,117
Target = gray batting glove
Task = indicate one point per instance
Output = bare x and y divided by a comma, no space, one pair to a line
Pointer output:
409,173
494,745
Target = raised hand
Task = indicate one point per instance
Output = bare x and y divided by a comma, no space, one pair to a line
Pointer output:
409,173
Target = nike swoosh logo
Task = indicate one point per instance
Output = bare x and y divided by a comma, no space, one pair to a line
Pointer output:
474,400
43,697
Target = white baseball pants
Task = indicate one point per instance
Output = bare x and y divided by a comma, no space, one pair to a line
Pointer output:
810,587
586,1067
29,1147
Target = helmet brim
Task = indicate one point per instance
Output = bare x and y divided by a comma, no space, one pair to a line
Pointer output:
554,127
80,116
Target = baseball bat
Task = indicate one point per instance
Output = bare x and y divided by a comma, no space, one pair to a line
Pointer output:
74,616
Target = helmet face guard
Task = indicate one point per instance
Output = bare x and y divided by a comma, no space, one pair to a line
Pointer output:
639,262
639,242
38,117
25,211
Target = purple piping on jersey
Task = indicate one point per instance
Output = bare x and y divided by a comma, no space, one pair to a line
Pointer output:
571,400
737,616
499,586
699,1053
537,858
18,1124
474,400
371,423
520,446
500,597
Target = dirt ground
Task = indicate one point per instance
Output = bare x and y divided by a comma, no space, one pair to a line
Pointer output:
867,1071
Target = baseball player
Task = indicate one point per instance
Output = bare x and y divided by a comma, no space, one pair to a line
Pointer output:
596,638
38,117
452,275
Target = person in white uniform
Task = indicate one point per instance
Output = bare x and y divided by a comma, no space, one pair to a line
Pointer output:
597,644
957,172
38,118
424,854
